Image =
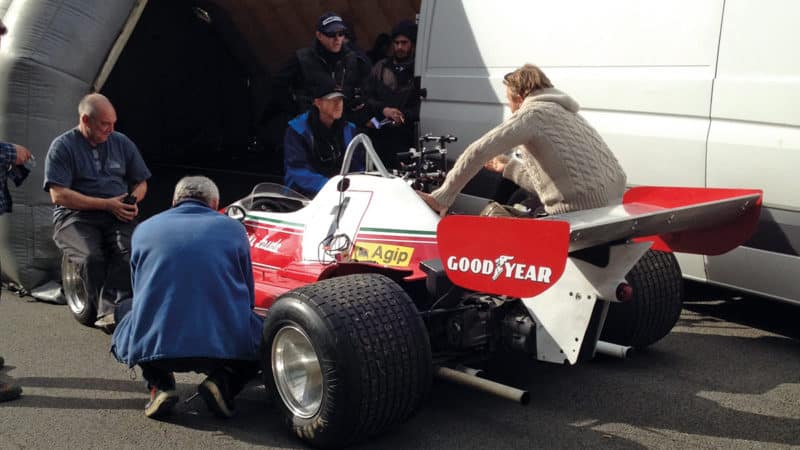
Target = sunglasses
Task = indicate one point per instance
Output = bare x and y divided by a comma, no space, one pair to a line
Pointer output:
334,34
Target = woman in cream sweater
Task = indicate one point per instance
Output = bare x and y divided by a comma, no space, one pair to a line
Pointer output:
557,154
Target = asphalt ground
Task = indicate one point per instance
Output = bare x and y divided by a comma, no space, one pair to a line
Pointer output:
728,376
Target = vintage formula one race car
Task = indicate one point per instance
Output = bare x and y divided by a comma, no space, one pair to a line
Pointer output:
368,294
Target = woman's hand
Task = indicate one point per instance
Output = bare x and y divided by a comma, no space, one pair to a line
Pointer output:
436,206
497,164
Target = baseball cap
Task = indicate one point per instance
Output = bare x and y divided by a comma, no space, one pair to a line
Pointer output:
330,22
327,90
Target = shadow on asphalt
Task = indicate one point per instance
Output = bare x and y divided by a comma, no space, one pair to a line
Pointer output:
255,422
667,387
713,378
756,312
718,385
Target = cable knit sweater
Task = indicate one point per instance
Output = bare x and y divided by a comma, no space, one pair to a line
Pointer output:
559,156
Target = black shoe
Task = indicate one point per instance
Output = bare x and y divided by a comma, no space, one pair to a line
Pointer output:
9,392
161,403
106,323
216,393
2,362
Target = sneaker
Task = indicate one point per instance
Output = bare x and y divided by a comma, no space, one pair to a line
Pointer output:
161,403
9,392
215,393
106,323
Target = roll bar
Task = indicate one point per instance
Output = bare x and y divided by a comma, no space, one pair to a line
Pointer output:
371,156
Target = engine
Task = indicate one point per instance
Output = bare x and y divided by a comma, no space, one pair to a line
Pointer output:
477,325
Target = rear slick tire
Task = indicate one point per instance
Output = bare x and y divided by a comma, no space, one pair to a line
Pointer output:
345,358
656,305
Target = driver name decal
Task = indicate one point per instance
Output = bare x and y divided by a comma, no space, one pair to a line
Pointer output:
266,244
389,255
502,266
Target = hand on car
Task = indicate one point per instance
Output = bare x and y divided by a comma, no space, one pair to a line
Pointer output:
123,211
497,164
436,206
23,154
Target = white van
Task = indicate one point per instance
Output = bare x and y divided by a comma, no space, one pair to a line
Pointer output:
686,93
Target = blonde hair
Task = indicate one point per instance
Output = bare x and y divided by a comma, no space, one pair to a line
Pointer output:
525,80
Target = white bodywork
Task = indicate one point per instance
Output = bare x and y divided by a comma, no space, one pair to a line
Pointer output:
373,202
686,93
562,313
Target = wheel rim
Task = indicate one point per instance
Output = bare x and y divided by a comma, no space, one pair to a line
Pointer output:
74,290
298,375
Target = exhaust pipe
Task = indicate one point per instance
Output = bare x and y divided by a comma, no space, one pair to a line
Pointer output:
500,390
470,371
615,350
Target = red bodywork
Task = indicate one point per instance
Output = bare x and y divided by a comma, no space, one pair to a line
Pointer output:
707,241
279,268
533,252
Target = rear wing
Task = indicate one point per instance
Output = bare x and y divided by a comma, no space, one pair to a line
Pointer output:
690,220
525,257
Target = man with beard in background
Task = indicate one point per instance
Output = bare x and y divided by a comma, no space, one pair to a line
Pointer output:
392,97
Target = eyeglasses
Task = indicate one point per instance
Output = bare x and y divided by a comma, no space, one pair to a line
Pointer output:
334,34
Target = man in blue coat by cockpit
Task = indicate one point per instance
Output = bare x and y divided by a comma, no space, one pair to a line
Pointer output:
315,142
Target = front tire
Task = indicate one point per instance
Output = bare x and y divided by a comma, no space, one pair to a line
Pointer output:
656,305
346,358
83,310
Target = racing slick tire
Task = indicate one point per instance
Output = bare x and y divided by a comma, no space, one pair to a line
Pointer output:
78,302
345,358
656,305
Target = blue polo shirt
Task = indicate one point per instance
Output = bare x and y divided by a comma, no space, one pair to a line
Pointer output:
104,171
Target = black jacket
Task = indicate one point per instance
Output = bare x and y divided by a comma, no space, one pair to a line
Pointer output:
308,65
392,85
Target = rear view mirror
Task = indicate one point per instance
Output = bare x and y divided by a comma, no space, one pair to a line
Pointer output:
235,212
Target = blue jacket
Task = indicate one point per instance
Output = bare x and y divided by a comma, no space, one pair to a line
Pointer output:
297,144
192,289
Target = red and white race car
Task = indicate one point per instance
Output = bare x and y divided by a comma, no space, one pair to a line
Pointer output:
368,294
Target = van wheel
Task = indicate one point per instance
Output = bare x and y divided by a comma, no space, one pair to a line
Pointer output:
656,305
345,358
78,302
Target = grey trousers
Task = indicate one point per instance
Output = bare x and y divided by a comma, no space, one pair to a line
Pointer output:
101,247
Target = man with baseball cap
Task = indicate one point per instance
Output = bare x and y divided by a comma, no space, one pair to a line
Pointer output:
315,141
329,58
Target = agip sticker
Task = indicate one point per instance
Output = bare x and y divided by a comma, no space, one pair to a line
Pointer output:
385,254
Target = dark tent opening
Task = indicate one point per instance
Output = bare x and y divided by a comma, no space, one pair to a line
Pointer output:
190,93
192,87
